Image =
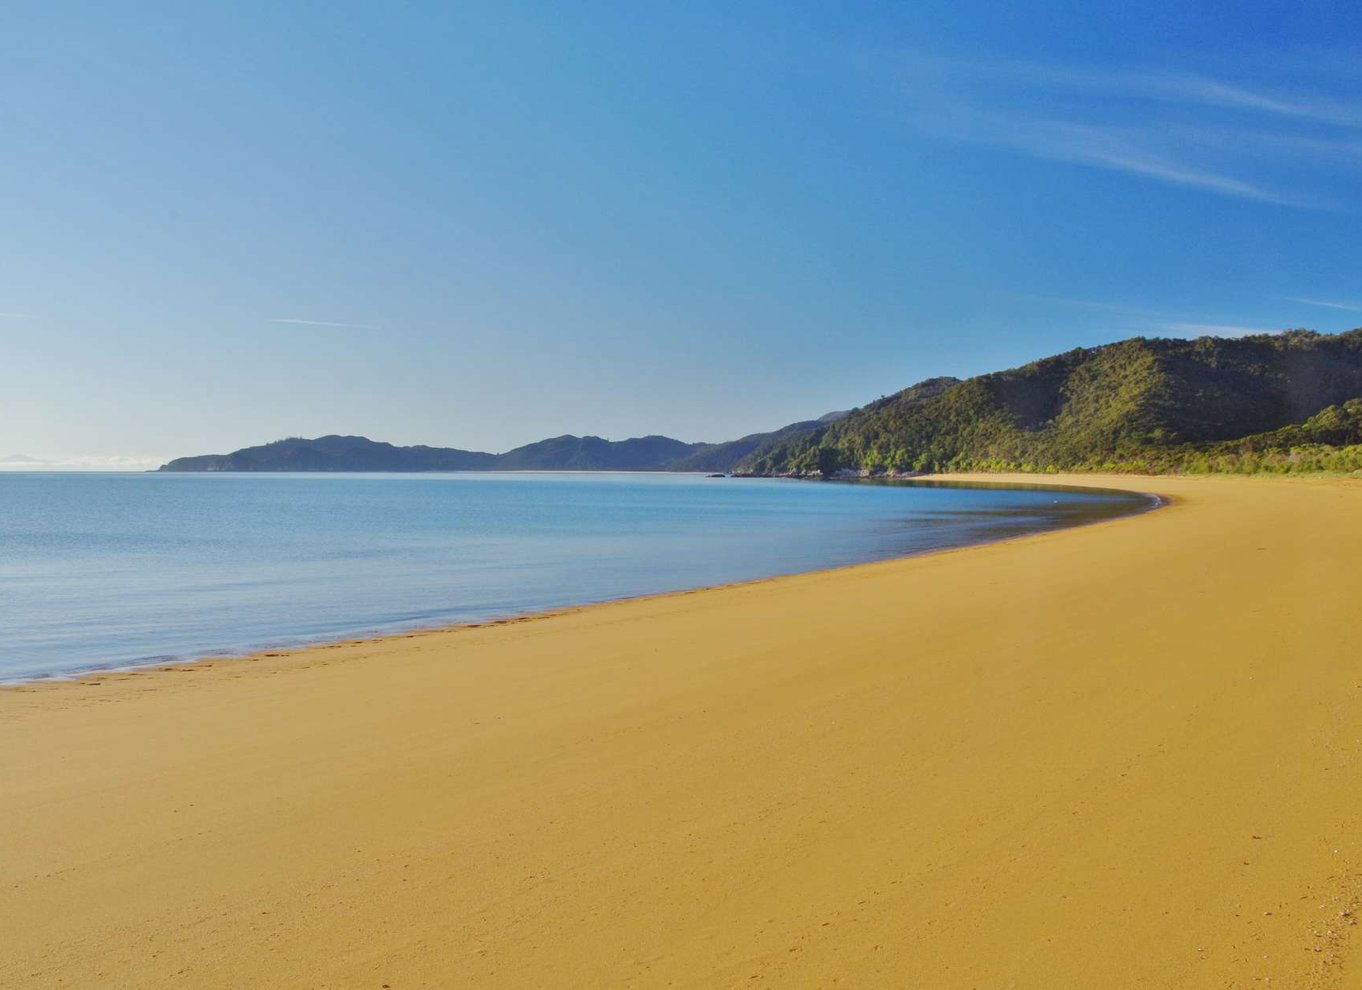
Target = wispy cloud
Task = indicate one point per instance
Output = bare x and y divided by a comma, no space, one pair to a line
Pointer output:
1328,304
1157,85
1173,127
321,323
1155,322
18,316
1213,93
1120,150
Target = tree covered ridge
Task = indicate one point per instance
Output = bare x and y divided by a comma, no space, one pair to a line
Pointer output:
1289,401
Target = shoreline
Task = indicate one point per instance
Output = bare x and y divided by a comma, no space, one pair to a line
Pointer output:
1109,755
382,632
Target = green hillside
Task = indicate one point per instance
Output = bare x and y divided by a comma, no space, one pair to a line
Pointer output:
1251,403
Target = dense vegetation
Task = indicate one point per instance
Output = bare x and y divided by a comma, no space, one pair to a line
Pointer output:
1280,402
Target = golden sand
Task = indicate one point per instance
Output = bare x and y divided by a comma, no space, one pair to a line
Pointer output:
1125,755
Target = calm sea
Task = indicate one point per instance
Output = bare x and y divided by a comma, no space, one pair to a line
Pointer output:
104,571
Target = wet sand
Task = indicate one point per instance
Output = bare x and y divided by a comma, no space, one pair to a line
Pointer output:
1125,755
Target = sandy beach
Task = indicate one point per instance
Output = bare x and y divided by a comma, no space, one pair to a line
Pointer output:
1124,755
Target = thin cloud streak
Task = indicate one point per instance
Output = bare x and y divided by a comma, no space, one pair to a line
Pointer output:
1178,175
1219,94
1110,148
321,323
1151,85
1116,121
1164,323
1346,307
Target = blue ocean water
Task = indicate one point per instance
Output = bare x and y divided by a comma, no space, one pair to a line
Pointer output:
102,571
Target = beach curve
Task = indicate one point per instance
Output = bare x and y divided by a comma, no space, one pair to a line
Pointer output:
1116,755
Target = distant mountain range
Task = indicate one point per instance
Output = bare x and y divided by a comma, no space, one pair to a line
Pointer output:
1282,402
565,453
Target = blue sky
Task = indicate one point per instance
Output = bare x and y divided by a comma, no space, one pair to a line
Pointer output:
480,224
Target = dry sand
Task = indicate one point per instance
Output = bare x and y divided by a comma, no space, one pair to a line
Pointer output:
1125,755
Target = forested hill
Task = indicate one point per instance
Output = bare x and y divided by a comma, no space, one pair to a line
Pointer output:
1289,401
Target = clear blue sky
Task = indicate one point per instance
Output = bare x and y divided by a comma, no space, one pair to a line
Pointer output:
479,224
